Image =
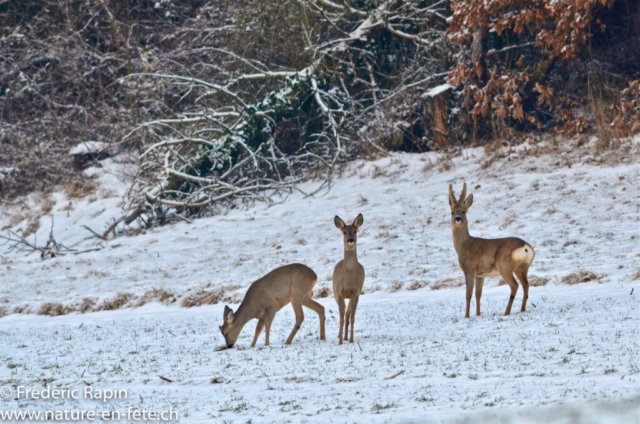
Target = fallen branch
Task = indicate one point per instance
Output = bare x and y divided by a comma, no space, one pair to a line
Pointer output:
128,219
394,375
20,244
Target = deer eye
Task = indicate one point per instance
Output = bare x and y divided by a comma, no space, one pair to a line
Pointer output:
463,212
344,232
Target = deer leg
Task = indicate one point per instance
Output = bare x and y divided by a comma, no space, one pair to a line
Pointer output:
268,319
353,304
513,285
259,328
522,276
297,308
341,308
315,306
479,285
470,278
347,315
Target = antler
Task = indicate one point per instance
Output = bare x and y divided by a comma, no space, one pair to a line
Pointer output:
452,196
464,193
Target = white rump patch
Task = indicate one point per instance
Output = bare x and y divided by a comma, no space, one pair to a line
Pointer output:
524,254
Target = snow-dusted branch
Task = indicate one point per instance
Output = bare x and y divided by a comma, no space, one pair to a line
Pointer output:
193,81
255,128
342,8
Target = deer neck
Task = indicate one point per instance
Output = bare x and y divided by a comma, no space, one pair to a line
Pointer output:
350,259
243,315
460,237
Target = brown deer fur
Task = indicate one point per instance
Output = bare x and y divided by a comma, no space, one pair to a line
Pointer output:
348,276
480,258
266,296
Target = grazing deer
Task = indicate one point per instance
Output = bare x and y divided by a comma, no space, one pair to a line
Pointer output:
266,296
480,258
348,276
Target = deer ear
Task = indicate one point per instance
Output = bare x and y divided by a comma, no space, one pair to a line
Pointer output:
452,196
468,201
339,222
358,221
228,315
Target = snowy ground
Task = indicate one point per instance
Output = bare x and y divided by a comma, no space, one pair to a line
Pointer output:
578,344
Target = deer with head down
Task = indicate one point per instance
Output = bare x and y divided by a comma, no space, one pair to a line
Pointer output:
348,276
480,258
288,284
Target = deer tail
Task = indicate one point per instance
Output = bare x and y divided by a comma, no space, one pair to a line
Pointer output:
524,254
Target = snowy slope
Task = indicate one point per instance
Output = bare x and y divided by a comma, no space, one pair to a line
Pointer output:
578,344
579,218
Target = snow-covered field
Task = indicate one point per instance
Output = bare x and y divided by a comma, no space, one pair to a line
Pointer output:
416,357
578,344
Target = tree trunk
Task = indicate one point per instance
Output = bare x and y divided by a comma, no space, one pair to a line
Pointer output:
479,53
436,115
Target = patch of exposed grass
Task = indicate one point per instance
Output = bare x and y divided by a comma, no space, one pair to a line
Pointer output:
377,407
447,283
362,201
98,274
445,161
210,297
395,286
385,234
117,302
370,289
322,292
610,370
538,281
77,188
580,277
87,305
377,172
32,227
54,309
415,285
161,295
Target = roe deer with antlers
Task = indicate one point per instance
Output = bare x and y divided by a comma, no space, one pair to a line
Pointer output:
480,258
348,276
266,296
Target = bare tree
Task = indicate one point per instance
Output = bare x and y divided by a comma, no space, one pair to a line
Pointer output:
257,125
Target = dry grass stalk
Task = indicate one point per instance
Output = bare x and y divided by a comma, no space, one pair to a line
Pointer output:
581,277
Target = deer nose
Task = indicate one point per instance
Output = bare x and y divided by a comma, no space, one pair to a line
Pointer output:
351,241
229,346
458,219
